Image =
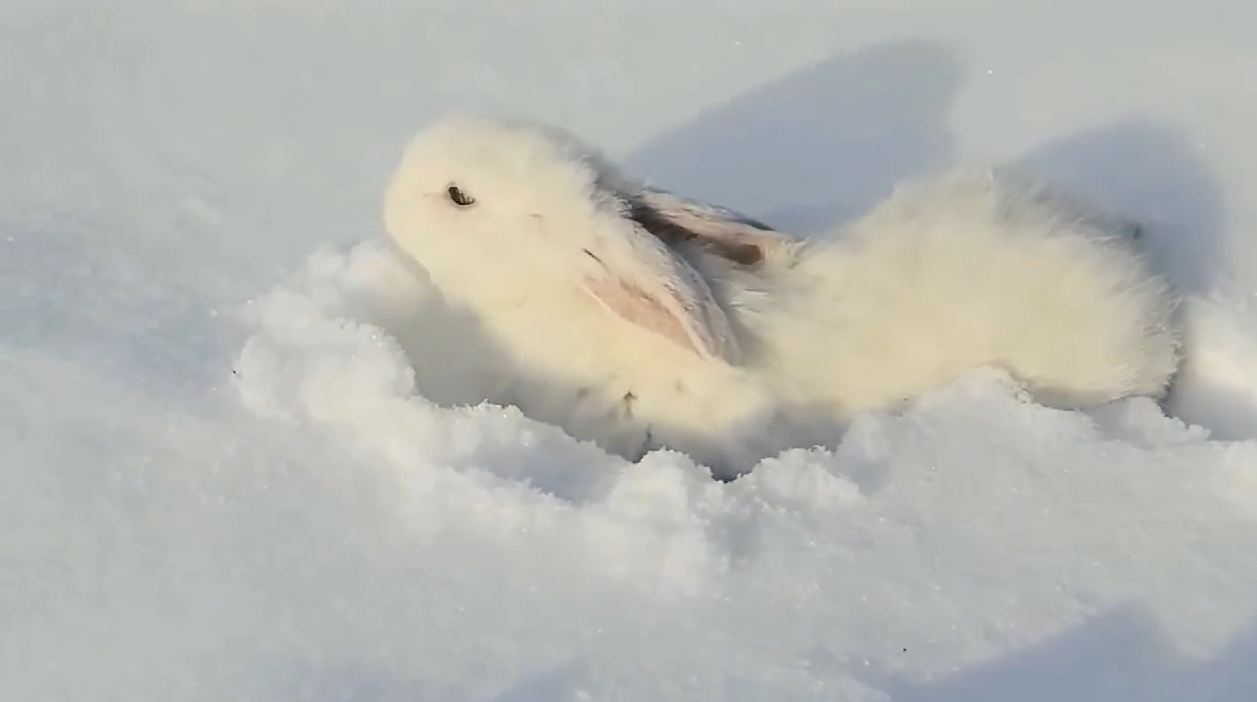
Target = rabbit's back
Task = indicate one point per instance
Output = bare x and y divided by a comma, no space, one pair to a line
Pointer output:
967,271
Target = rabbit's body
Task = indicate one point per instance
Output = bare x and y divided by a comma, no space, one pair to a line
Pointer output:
577,368
638,319
963,272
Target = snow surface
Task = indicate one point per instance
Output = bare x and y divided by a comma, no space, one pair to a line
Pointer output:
233,456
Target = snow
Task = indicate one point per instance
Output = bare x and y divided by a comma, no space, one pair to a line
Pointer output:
239,446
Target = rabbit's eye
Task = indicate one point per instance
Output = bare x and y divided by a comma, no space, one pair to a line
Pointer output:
458,197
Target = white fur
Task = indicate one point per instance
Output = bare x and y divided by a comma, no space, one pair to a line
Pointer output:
944,277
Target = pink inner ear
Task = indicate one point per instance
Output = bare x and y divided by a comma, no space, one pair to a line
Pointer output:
636,306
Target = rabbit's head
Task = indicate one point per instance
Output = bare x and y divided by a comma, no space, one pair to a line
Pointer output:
499,211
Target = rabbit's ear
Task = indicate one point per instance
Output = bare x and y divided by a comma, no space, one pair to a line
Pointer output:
717,230
642,281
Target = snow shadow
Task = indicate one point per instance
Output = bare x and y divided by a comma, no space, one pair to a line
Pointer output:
1151,173
1231,676
818,145
1120,655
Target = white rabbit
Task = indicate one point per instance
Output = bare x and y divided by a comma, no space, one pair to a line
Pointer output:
639,319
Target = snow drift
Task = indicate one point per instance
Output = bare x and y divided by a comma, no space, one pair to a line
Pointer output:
879,541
